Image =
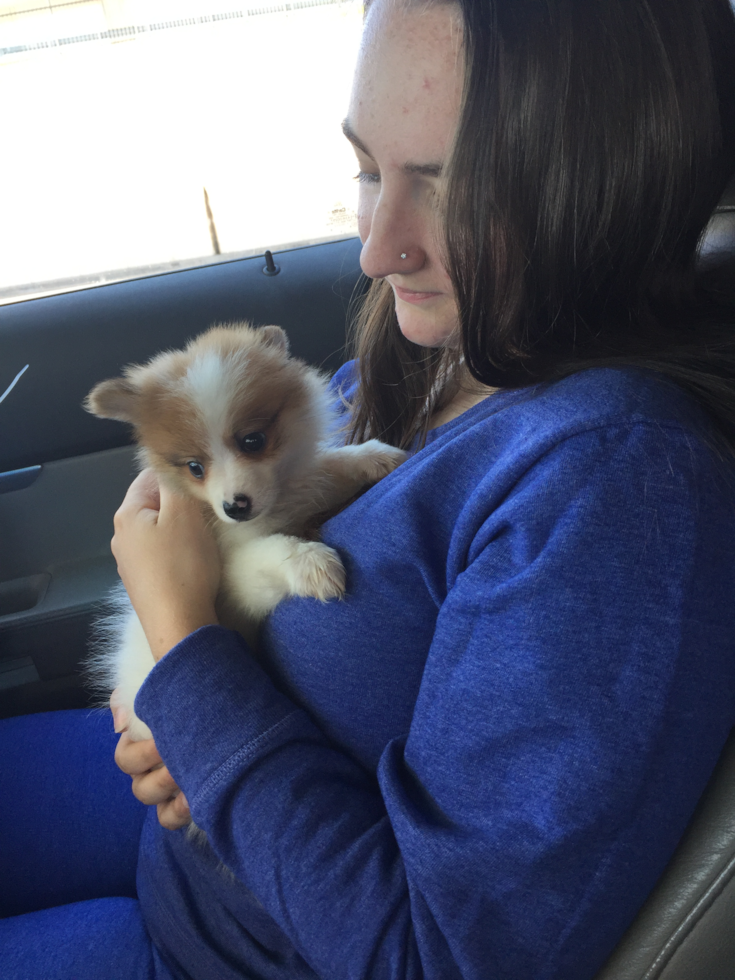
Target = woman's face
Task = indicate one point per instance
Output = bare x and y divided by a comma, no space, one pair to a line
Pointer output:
402,117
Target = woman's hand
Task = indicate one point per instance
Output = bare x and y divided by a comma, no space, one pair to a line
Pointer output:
168,562
152,782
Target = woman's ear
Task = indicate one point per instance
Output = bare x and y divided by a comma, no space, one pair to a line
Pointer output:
113,399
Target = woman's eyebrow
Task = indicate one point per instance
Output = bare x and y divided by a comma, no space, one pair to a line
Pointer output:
422,169
354,138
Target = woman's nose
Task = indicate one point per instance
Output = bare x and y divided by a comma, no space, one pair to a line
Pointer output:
391,241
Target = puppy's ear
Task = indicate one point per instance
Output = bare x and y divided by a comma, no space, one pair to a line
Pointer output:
113,399
274,337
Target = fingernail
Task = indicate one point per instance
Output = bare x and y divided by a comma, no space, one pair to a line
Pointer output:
120,720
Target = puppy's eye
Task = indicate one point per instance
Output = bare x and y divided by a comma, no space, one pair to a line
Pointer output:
253,442
196,469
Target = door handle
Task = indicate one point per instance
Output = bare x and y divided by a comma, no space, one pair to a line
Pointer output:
19,479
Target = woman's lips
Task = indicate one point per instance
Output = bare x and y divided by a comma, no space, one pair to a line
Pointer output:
413,295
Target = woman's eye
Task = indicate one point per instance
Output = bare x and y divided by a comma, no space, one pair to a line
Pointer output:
364,177
196,469
253,442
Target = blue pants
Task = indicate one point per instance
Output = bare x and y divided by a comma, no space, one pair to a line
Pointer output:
69,832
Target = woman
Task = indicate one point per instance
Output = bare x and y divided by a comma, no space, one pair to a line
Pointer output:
479,764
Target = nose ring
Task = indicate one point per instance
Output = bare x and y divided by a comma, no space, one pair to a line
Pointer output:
403,255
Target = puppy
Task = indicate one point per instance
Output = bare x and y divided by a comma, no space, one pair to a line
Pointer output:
235,422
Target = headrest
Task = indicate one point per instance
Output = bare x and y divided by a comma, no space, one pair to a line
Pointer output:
717,251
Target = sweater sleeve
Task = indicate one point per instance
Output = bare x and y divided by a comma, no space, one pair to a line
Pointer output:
576,695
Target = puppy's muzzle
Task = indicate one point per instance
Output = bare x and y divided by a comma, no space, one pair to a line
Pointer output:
240,509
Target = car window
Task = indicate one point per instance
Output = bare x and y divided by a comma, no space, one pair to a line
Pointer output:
146,135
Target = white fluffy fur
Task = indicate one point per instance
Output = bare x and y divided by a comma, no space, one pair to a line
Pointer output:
264,558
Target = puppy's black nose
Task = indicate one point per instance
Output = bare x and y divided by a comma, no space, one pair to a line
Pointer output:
240,507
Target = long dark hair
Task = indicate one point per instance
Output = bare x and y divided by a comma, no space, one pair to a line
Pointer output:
594,141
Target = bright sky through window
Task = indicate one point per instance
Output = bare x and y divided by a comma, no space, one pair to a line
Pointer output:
119,114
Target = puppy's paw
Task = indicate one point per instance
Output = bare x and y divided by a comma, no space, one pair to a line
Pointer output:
379,459
316,570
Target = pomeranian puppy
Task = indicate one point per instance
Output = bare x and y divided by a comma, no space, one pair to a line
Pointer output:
237,423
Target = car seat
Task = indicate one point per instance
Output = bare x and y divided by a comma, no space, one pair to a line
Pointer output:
686,928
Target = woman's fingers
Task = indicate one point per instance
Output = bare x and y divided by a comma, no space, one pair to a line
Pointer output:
168,561
153,784
143,494
154,787
120,714
174,813
136,758
177,507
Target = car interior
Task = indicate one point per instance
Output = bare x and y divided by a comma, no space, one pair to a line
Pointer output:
63,473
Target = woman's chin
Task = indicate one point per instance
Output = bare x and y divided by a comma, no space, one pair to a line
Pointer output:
427,328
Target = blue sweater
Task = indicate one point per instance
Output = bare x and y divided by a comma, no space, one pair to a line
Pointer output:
477,765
